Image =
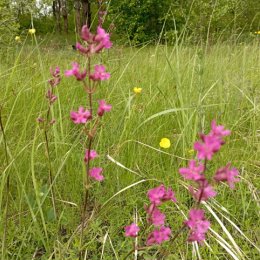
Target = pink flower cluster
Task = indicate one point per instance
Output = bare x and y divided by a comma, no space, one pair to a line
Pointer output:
94,173
198,225
207,147
132,230
75,71
56,77
51,97
211,143
95,43
155,217
82,116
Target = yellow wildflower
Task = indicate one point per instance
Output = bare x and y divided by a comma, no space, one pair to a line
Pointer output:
17,38
165,143
137,90
32,31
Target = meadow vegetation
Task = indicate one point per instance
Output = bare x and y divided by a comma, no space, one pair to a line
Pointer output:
184,87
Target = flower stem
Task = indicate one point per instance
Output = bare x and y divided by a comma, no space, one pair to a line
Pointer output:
47,147
7,187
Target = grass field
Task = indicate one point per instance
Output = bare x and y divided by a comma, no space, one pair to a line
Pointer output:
183,89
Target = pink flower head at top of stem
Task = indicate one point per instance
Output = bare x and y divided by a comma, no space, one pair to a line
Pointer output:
193,172
204,192
103,107
100,73
219,130
228,175
95,43
95,173
198,225
80,117
159,194
132,230
208,147
76,72
156,217
158,236
90,155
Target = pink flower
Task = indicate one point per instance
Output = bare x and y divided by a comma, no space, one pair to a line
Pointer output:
95,173
156,217
155,195
193,172
100,73
76,72
169,195
197,224
103,107
208,146
204,192
132,230
218,130
103,38
228,175
80,117
55,73
86,35
49,95
158,236
90,155
96,43
159,194
56,77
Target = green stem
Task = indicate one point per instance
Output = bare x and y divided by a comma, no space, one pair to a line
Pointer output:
7,187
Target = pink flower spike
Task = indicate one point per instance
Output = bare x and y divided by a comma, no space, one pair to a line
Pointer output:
90,155
100,73
218,130
132,230
76,72
193,172
80,117
158,236
208,146
95,173
103,107
198,225
228,175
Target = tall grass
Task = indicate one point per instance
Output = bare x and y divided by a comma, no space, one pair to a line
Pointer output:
184,88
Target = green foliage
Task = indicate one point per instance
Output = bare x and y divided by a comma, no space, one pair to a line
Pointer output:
142,20
8,22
